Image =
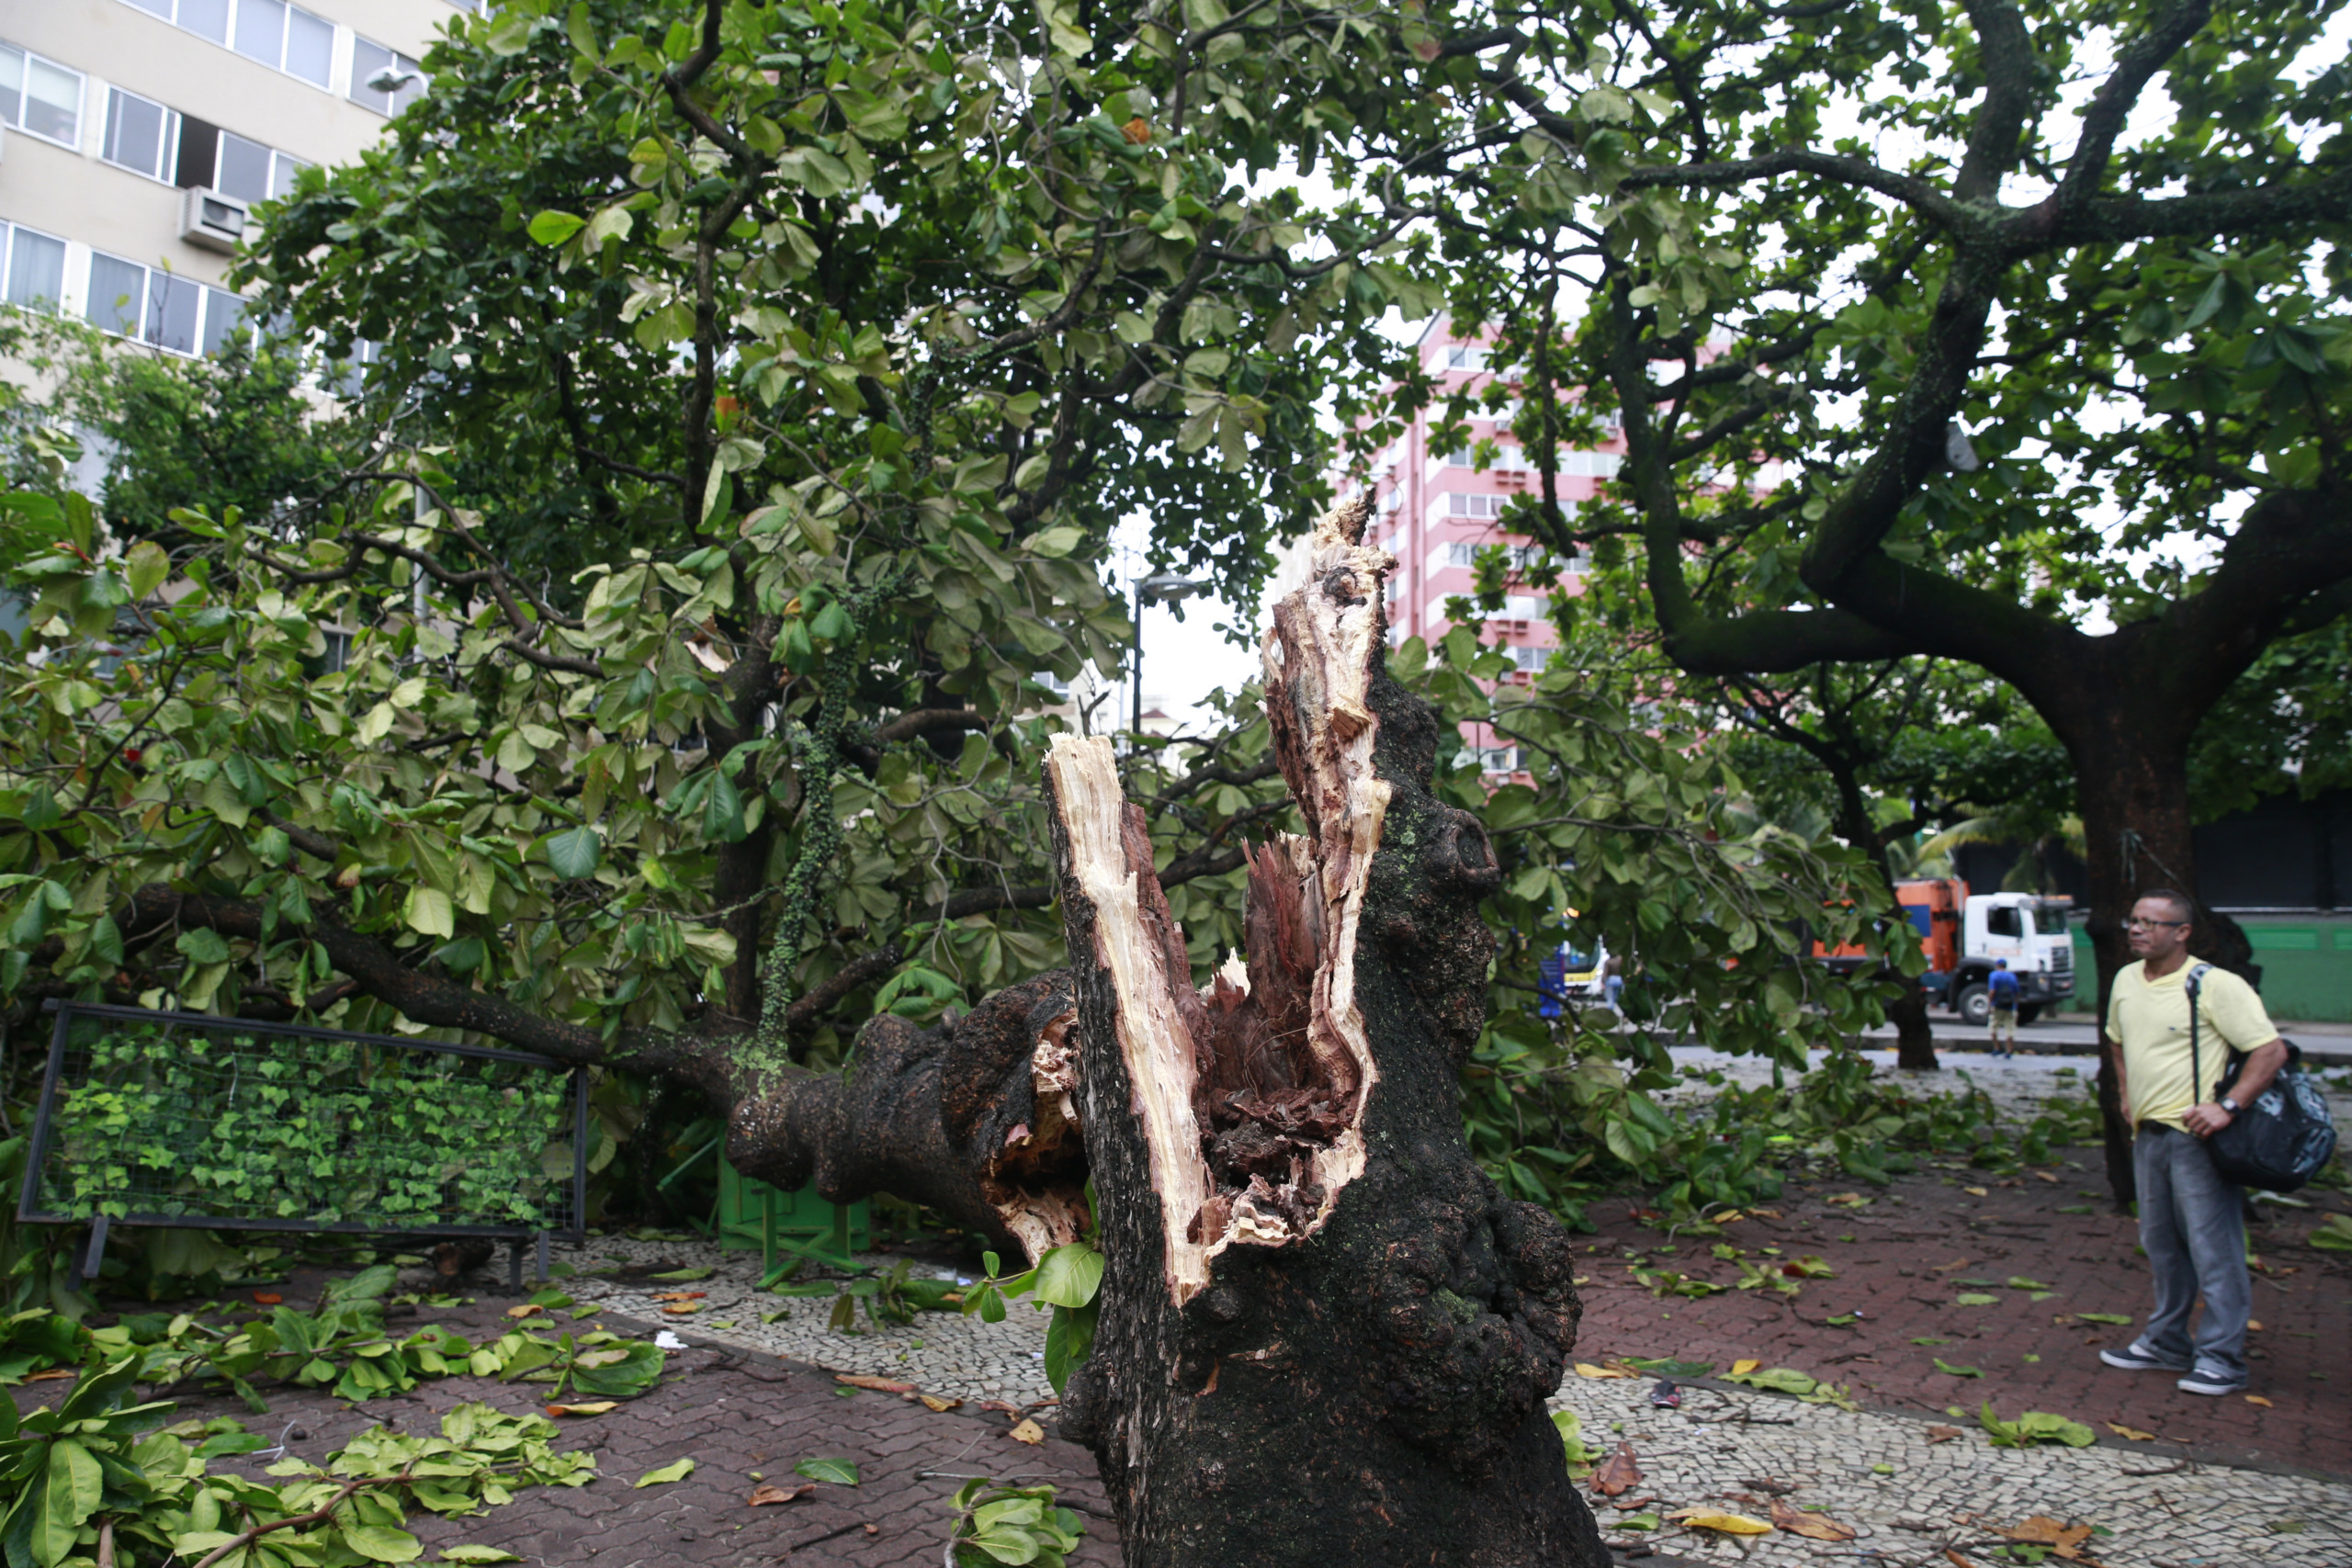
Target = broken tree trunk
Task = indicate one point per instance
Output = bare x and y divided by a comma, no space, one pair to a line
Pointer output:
1325,1335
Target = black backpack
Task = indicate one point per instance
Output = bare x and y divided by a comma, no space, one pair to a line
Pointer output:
2282,1140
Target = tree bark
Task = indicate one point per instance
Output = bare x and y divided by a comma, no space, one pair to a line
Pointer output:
2131,783
1915,1037
1325,1337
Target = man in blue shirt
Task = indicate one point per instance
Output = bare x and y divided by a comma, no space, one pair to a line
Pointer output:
2001,988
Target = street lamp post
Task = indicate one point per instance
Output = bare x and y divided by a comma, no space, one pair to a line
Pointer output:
1165,588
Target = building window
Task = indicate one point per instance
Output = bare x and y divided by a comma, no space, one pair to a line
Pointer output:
377,78
1466,359
234,165
36,267
40,97
1530,659
1522,557
1458,505
287,37
175,313
1497,759
139,134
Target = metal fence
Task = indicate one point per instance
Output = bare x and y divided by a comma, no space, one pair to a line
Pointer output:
151,1118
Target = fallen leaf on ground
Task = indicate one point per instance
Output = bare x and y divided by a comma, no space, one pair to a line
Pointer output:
1028,1431
1943,1434
879,1386
1956,1263
2114,1318
1000,1404
1973,1191
2254,1326
680,1295
1954,1557
1729,1524
1944,1366
682,1309
1812,1527
1742,1368
2131,1432
1973,1299
1586,1370
768,1491
593,1408
677,1471
2041,1529
2045,1176
839,1472
933,1403
2257,1399
684,1275
528,1308
268,1298
1620,1475
52,1375
1765,1214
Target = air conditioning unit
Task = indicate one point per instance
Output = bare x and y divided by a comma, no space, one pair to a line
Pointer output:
211,221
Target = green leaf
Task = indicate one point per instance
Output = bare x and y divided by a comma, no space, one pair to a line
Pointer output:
1067,1276
554,228
146,565
574,852
1055,542
381,1543
2117,1318
677,1471
428,909
1973,1299
477,1554
1944,1366
839,1472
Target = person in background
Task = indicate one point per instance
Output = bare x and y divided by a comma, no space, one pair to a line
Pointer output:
2192,1221
1612,983
2001,988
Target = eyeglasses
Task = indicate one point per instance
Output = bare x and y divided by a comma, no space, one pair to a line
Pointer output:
2136,923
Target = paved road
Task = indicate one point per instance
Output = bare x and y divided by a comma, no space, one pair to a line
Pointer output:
2073,1034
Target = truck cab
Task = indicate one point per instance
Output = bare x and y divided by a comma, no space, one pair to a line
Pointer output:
2030,932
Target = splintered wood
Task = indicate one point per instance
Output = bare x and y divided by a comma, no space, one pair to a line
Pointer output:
1250,1091
1019,1179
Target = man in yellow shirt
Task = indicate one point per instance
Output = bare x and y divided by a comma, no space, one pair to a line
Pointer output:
2192,1223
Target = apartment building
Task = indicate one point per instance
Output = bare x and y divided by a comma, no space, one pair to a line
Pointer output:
135,136
1434,511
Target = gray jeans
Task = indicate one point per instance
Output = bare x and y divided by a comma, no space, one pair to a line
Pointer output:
2192,1224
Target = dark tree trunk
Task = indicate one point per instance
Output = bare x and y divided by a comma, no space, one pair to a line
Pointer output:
2132,786
1325,1337
1915,1037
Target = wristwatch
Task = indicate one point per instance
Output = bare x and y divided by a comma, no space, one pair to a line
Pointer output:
2228,1103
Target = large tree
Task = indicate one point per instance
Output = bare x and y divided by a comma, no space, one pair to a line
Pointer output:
1940,330
754,393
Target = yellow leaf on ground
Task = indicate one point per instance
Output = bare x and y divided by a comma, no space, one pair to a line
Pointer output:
1740,1369
1812,1527
54,1374
1943,1434
593,1408
932,1401
1973,1191
2257,1399
1729,1524
768,1491
2254,1326
682,1309
2133,1433
1727,1219
2045,1176
527,1309
1028,1431
1586,1370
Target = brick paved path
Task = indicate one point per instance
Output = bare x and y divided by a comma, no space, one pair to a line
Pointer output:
1904,1258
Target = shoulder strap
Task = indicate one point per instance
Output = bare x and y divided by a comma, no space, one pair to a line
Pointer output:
2193,982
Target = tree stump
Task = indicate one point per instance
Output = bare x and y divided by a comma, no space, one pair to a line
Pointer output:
1325,1335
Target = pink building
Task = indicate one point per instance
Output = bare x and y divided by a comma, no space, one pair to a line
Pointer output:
1434,512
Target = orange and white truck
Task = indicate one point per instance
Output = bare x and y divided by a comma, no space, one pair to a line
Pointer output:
1964,932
